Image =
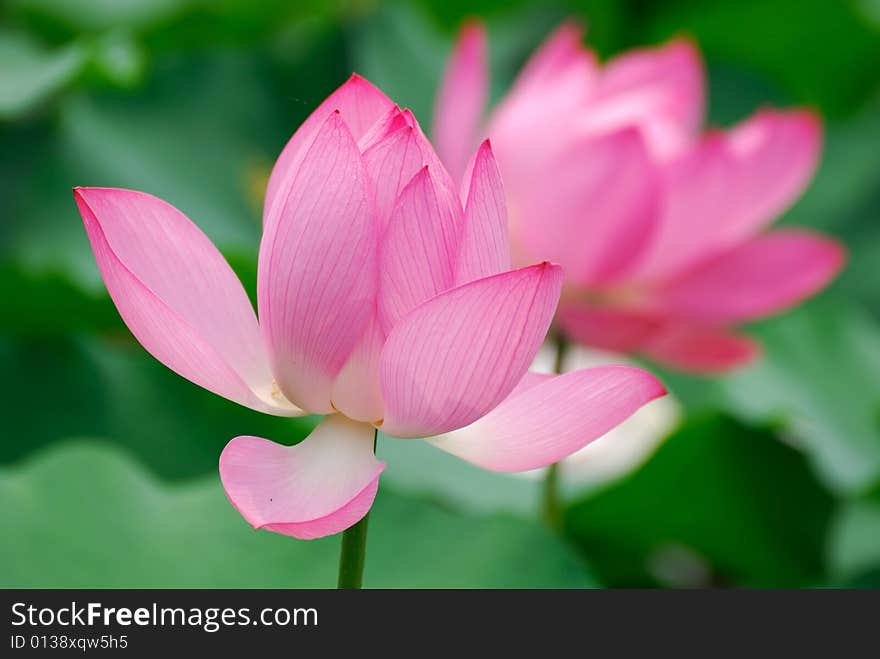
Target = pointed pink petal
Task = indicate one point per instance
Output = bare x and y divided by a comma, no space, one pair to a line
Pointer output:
457,356
317,276
776,154
620,330
485,247
391,163
178,295
356,391
696,349
461,99
562,52
359,102
562,76
448,186
319,487
763,276
593,209
388,124
418,252
660,90
394,157
553,418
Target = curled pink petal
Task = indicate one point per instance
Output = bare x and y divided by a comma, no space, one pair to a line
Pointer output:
317,277
485,246
336,522
359,102
552,418
458,355
178,295
696,349
592,209
461,99
765,275
319,487
418,252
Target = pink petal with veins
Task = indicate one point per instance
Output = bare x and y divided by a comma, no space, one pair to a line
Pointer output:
485,245
551,418
359,102
317,274
458,355
419,249
178,295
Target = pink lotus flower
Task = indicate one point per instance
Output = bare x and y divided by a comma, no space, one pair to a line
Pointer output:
382,304
659,227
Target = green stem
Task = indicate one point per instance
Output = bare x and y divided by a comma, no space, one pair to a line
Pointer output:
551,506
551,503
353,550
562,347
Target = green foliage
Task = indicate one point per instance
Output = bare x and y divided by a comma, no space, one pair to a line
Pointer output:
49,304
30,73
420,469
162,139
96,15
819,377
854,550
112,388
821,53
734,496
203,135
820,380
412,80
85,515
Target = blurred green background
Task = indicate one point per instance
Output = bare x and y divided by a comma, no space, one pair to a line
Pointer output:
108,461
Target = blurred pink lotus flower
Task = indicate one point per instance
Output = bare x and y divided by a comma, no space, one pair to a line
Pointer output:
382,303
659,227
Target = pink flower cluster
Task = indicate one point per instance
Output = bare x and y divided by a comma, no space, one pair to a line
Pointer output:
660,226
